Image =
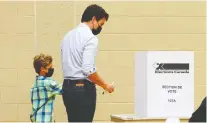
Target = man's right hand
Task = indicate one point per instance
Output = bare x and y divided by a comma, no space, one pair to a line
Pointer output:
109,88
95,78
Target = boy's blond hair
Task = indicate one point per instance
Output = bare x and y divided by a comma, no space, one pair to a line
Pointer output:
41,60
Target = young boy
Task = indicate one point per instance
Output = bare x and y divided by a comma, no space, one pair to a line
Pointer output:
44,89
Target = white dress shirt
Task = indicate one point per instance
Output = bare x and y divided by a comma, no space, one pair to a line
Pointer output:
78,51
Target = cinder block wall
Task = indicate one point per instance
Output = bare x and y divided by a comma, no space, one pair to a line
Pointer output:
30,28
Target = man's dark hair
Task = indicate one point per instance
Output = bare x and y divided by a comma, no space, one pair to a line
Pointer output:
94,10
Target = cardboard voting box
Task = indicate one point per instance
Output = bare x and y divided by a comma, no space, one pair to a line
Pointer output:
164,84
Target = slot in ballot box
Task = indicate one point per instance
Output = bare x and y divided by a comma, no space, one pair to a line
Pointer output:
164,84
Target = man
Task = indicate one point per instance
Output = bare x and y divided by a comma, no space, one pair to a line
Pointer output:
78,51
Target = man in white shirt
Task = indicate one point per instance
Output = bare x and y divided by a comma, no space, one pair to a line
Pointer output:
78,51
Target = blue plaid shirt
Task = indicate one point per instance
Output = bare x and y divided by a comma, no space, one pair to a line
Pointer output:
42,97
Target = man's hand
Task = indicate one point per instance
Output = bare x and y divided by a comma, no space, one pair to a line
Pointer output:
95,78
109,88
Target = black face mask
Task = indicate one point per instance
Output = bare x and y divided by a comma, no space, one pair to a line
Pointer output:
50,72
97,31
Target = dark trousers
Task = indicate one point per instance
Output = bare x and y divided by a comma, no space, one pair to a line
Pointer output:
79,97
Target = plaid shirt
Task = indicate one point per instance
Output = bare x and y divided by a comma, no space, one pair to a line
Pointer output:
42,97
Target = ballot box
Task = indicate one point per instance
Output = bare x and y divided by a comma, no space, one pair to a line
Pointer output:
164,84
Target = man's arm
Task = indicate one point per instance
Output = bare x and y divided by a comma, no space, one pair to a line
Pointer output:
88,65
95,78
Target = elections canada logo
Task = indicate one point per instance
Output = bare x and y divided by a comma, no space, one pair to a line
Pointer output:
171,67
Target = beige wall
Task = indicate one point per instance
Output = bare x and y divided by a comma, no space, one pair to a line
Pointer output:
29,28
